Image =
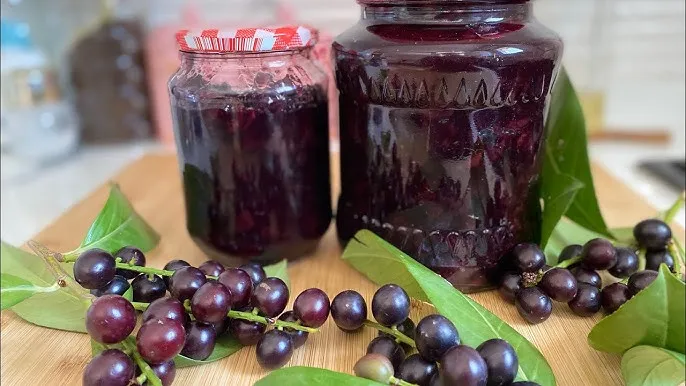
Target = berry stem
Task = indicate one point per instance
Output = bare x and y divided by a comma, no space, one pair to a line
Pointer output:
641,259
233,314
399,336
569,262
399,382
52,261
130,344
141,379
676,251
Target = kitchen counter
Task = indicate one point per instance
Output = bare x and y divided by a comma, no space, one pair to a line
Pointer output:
32,200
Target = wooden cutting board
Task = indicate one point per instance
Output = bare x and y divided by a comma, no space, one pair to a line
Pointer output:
33,355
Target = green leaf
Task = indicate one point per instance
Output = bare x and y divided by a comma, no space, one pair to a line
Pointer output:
116,226
653,317
60,309
224,346
312,376
279,270
14,290
567,155
382,263
653,366
557,192
129,294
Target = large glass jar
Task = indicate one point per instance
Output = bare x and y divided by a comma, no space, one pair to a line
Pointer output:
442,109
251,125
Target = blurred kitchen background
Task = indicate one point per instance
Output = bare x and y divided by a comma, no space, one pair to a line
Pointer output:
84,87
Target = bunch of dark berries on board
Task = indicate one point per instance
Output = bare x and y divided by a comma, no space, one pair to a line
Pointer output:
532,285
204,304
428,354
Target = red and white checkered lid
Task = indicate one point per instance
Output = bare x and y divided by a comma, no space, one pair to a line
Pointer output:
246,39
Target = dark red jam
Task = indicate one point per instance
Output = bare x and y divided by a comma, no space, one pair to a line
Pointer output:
442,132
255,169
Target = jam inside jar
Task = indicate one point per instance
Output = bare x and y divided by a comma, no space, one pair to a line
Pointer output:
251,130
442,113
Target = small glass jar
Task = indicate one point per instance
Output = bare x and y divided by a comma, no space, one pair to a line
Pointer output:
442,108
250,116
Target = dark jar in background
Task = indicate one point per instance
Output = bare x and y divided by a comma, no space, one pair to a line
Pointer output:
442,110
251,128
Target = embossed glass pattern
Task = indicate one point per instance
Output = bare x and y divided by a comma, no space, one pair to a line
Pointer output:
442,112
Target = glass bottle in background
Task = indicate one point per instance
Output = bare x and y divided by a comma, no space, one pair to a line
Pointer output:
38,125
108,74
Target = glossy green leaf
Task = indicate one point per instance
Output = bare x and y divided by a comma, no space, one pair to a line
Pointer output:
279,270
14,290
129,294
61,309
312,376
116,226
383,263
653,317
567,155
557,192
224,346
653,366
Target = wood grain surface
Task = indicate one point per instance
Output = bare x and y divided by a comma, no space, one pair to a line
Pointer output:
33,355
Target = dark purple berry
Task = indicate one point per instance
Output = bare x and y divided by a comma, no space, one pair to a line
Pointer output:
614,296
533,305
436,379
435,335
118,286
559,284
110,319
640,280
297,336
652,234
221,327
165,371
599,254
501,361
390,305
200,338
570,252
174,265
655,258
587,276
375,367
111,367
160,340
255,271
627,263
132,256
416,370
185,282
587,300
524,383
528,257
211,302
247,333
94,268
349,310
274,349
387,347
166,308
462,365
510,285
311,307
148,288
211,268
240,284
270,296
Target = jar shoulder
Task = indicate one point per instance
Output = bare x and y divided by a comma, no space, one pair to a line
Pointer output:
403,42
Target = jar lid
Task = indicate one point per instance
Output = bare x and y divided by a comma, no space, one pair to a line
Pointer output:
246,39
